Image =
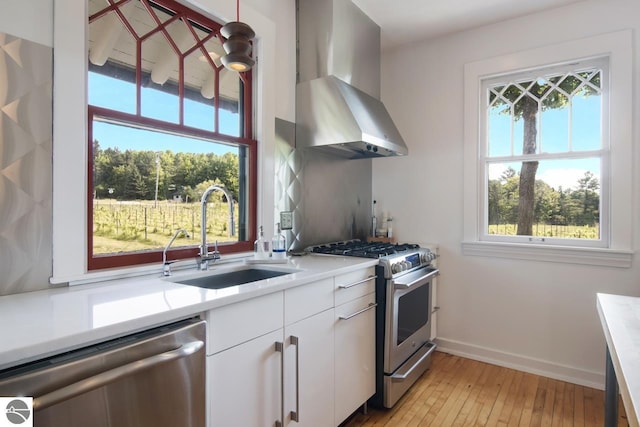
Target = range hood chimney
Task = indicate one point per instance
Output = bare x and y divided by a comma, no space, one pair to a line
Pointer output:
337,98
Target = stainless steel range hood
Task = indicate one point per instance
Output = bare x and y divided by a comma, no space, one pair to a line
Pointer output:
337,98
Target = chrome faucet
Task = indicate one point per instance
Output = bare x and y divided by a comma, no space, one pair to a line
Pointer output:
166,265
205,256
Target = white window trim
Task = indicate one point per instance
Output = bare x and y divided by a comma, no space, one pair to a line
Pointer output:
70,134
602,154
618,47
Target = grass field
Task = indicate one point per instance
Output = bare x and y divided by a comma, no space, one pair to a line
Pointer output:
141,225
547,230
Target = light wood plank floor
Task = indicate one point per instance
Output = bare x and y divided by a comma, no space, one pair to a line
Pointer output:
463,392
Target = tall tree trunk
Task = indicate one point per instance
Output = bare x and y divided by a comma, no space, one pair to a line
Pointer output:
526,201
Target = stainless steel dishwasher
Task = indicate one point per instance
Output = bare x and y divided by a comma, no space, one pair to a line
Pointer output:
152,378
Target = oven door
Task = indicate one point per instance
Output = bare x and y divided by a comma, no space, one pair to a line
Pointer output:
408,317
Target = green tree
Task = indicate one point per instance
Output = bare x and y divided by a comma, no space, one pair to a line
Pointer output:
135,186
523,101
588,197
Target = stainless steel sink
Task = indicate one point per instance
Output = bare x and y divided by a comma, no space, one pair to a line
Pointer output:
220,280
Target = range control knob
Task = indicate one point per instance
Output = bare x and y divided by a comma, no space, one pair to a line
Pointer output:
395,268
427,257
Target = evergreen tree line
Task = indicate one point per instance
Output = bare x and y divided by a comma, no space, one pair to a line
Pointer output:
131,174
579,206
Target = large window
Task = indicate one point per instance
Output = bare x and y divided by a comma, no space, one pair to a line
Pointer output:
166,121
544,155
547,153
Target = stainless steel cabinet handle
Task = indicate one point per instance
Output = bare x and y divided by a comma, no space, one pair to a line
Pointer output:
112,375
351,285
280,348
295,415
349,316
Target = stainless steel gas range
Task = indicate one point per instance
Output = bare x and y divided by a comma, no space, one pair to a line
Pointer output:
403,318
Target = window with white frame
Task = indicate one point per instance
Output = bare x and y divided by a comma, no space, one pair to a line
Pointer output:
548,153
543,155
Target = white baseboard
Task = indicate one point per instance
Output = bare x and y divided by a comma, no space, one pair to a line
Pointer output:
523,363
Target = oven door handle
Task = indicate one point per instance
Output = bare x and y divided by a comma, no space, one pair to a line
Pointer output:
398,284
402,377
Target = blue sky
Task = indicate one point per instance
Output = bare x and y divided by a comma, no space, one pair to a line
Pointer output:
554,136
554,132
120,95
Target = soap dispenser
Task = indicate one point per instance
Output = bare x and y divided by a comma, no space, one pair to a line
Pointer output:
279,244
261,247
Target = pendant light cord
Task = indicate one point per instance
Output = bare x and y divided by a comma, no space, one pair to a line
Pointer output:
238,10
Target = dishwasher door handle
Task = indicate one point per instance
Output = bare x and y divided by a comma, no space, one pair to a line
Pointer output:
112,375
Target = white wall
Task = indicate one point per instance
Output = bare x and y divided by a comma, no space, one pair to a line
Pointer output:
535,316
283,14
30,19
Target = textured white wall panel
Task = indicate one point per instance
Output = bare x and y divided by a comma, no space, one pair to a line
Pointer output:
25,165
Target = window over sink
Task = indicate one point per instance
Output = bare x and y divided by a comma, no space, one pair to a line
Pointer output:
165,121
547,153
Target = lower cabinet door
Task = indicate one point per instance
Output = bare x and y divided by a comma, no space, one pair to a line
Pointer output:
309,371
354,355
245,384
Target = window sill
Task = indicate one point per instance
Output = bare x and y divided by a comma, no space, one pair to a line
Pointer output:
563,254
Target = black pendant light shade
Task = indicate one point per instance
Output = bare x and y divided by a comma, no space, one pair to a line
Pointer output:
237,46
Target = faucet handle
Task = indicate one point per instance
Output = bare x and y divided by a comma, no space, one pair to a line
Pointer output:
215,254
166,268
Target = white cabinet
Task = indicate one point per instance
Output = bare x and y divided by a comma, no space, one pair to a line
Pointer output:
309,371
308,332
244,368
234,324
244,384
354,339
288,358
355,357
353,285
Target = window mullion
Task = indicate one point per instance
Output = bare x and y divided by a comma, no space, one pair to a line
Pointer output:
138,77
512,128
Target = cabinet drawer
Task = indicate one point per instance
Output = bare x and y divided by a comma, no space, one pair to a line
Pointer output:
244,384
240,322
353,285
306,300
354,355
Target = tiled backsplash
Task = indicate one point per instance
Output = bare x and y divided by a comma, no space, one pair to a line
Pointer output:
25,165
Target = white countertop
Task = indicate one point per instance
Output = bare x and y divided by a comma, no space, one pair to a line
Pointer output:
39,324
620,317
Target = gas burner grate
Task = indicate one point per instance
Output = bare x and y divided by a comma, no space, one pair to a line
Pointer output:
363,249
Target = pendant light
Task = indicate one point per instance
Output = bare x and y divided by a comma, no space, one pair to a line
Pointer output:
237,46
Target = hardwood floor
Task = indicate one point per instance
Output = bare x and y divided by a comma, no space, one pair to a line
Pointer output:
463,392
